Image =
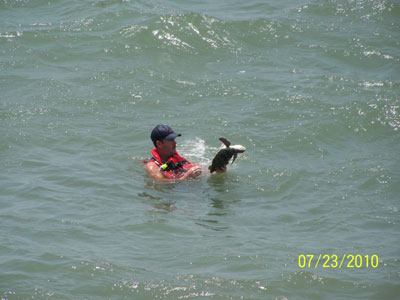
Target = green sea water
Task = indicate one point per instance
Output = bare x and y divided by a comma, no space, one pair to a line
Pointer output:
311,88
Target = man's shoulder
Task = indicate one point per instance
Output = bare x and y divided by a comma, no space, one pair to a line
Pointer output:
154,170
151,164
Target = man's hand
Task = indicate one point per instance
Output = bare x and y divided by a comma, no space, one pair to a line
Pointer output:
220,170
154,171
193,172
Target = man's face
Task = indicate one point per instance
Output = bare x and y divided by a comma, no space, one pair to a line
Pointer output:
167,147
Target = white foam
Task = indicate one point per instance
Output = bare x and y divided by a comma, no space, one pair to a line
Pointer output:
193,148
197,152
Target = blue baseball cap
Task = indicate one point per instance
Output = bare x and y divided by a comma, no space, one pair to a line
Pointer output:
163,132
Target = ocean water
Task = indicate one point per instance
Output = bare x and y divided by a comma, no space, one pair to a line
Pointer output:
311,88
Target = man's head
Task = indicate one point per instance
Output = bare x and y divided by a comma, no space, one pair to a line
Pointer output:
163,133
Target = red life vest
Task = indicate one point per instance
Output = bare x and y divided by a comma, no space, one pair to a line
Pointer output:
175,167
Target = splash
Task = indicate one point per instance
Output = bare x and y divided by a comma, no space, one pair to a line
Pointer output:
195,150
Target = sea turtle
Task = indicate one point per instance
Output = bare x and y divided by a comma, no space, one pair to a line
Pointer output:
225,154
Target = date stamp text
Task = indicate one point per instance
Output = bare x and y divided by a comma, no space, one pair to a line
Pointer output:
334,261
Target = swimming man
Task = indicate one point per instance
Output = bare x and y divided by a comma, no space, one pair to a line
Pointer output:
166,164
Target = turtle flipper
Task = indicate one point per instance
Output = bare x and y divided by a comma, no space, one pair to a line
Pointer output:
225,141
237,149
234,156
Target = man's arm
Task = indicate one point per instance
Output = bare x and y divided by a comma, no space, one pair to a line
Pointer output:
154,171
